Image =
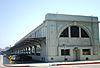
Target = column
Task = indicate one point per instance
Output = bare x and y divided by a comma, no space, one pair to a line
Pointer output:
27,49
79,32
31,50
69,31
35,50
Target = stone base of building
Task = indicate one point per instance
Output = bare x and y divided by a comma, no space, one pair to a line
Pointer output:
67,58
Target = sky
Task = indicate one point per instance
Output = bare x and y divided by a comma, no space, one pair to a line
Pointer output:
19,17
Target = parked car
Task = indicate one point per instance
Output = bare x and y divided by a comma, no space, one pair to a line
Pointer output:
23,57
13,57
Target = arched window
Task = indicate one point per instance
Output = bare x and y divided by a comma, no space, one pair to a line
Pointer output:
65,33
74,31
84,34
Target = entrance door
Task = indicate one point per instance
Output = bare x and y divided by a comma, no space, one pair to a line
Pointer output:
76,52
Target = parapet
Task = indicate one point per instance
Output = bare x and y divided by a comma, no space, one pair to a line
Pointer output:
65,17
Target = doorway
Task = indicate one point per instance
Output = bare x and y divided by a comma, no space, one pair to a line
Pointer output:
76,52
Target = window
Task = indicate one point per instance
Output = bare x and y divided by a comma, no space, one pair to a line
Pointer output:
64,33
65,52
86,51
84,34
62,52
74,31
38,54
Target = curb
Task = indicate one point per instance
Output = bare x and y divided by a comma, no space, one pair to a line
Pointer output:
8,65
16,66
79,63
49,64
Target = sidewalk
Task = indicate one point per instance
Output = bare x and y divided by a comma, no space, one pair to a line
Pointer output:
53,64
4,63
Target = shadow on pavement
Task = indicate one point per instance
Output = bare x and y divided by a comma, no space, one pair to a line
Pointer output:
25,62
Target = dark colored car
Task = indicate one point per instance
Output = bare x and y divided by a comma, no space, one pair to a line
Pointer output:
23,57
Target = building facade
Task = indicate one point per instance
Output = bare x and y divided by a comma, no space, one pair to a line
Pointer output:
62,38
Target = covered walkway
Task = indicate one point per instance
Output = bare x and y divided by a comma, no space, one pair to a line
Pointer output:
29,46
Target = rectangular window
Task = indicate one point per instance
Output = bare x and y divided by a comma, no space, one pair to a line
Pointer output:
65,52
86,51
62,52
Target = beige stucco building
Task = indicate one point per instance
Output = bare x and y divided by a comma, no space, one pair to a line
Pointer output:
62,38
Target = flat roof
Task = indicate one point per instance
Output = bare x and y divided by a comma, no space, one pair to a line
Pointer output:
66,17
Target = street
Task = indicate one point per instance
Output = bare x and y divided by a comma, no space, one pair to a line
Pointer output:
89,64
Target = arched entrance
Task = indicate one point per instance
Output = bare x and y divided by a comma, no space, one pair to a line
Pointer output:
76,54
